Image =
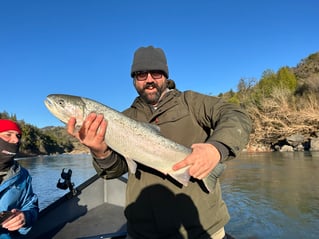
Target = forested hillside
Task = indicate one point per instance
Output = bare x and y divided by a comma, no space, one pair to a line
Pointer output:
48,140
283,105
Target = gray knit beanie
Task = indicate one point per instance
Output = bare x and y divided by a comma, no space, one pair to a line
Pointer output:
149,58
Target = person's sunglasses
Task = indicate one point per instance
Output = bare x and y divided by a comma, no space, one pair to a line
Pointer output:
142,75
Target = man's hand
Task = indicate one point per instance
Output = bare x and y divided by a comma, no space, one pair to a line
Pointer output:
15,222
202,160
91,134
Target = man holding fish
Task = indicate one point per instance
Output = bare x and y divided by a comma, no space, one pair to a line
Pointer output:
158,206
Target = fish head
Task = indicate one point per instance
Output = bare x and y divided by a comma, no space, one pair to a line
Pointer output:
64,107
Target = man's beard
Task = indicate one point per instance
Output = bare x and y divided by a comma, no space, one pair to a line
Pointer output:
154,97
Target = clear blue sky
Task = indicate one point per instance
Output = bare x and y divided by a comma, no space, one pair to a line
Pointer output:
86,48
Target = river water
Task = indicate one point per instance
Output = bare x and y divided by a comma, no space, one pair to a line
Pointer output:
269,195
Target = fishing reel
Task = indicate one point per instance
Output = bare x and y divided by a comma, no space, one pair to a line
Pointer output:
66,184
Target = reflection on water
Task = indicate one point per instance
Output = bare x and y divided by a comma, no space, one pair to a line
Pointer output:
273,195
46,171
269,195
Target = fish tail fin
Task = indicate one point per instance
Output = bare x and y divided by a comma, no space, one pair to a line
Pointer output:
182,176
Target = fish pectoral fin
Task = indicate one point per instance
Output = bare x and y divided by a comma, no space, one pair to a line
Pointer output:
182,176
211,180
131,165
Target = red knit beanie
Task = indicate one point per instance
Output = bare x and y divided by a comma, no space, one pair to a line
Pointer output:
6,124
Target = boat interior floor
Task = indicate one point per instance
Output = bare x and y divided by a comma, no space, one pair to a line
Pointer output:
104,221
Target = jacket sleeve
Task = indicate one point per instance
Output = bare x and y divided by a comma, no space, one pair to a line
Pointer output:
230,125
30,206
111,167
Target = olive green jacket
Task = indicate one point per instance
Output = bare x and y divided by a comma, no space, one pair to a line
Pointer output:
157,206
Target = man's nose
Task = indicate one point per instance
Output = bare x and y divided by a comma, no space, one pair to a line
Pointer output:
149,78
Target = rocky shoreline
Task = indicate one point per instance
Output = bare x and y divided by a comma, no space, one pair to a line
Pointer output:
296,142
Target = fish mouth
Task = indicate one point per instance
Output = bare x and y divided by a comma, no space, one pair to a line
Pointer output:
48,103
51,105
55,109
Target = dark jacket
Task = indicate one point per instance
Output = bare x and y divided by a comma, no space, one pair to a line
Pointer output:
156,206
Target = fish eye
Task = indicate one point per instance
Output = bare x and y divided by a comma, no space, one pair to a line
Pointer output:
61,103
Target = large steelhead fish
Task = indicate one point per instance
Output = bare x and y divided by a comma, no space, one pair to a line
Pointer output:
136,141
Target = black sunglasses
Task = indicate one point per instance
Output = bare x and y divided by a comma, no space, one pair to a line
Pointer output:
142,75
